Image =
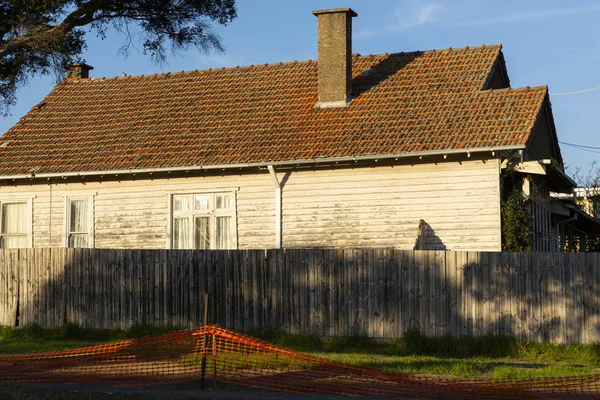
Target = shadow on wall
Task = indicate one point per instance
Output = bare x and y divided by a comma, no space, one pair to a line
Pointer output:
328,292
427,238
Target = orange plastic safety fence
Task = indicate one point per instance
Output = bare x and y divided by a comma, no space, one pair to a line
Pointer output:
233,358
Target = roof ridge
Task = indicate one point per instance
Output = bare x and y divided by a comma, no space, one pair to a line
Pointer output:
518,89
266,65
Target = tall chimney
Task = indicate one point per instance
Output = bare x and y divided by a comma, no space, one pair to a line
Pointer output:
335,56
79,71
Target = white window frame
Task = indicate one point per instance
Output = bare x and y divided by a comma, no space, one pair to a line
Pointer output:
91,219
212,213
29,201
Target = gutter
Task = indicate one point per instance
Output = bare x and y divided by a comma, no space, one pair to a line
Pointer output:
311,161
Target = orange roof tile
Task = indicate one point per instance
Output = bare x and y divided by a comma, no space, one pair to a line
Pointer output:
408,102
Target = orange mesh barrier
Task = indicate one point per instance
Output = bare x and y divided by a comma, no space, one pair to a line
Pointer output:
237,359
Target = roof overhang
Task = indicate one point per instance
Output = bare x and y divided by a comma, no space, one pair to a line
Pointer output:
582,221
557,180
285,163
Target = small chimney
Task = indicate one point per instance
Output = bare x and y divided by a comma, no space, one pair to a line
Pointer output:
335,56
79,71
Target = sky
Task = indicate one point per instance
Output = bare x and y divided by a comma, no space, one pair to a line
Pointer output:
545,42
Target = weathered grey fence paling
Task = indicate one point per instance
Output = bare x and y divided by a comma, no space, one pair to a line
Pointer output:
373,292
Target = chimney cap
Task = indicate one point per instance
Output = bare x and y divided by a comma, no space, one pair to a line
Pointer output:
79,70
82,65
336,10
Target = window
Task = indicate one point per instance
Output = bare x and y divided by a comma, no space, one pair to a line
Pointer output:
204,221
79,222
15,220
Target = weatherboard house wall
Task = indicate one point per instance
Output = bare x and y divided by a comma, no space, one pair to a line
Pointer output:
413,148
375,206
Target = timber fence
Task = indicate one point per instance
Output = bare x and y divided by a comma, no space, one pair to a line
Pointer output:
378,293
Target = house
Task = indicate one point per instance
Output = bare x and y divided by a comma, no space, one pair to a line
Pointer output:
589,199
582,205
396,150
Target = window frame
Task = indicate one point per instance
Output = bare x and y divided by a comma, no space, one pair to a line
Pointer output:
29,220
91,220
212,213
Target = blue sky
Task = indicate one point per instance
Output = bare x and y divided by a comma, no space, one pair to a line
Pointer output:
545,42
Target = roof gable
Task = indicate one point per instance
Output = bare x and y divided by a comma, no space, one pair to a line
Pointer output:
403,103
543,141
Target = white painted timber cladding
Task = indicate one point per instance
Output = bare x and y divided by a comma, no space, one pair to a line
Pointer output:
363,207
382,206
135,214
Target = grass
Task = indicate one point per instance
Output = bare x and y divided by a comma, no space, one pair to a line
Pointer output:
485,357
33,338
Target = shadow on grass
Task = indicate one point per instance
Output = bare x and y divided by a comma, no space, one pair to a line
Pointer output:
414,343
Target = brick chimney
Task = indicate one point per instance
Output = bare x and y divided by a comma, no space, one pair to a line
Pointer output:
335,56
79,71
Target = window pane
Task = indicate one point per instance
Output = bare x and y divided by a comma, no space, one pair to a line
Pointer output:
181,229
14,242
201,202
181,203
78,241
14,218
223,232
223,201
202,233
79,216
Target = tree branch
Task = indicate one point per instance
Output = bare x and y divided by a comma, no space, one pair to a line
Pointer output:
81,16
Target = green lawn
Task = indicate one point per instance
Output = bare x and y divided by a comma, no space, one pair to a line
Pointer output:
485,357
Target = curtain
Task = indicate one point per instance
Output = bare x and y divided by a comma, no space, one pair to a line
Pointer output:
78,240
202,233
181,203
79,224
223,232
223,201
80,216
201,202
181,235
14,225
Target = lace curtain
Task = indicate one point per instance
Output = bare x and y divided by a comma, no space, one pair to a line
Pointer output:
79,221
14,225
181,233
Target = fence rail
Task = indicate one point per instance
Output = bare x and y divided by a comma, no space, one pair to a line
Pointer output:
371,292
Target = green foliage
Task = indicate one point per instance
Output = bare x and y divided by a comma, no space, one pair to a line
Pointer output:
44,36
73,332
516,223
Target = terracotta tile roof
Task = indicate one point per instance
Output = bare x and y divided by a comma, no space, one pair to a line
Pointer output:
403,103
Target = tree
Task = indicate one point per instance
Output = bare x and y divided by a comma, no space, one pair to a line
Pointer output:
44,36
